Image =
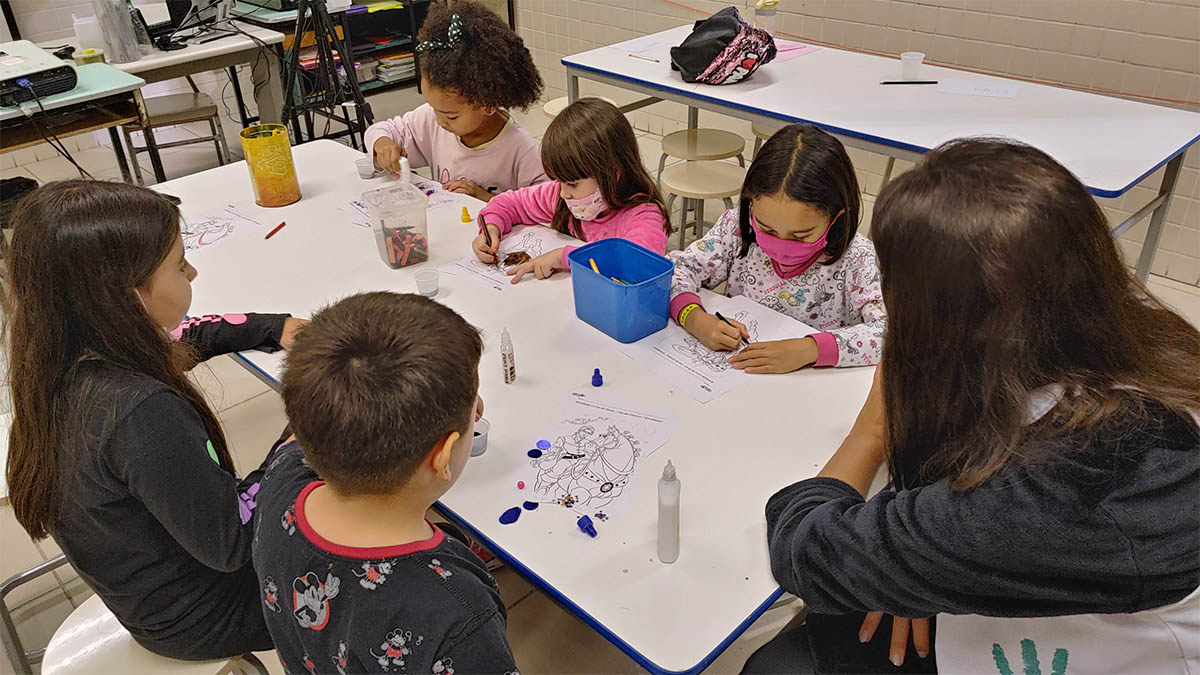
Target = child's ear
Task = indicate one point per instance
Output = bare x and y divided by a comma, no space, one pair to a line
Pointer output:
439,457
490,110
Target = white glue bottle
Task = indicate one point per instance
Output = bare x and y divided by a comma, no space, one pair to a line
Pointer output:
766,16
668,515
507,360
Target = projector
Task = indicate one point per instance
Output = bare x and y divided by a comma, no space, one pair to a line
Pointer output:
23,60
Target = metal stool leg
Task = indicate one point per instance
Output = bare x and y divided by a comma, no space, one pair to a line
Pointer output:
670,204
757,146
699,218
741,160
662,164
133,153
728,202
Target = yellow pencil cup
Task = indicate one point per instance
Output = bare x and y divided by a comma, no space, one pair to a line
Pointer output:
268,152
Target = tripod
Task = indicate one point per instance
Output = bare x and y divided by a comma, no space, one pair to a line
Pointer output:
331,91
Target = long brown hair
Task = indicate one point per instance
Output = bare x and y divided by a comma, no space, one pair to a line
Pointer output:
1000,277
592,139
79,250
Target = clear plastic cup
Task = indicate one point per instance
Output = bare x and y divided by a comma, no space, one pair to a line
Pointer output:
479,443
910,65
366,167
427,283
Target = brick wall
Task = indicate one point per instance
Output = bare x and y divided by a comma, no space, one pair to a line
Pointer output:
41,20
1137,46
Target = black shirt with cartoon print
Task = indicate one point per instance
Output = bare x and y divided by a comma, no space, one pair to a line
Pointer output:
424,607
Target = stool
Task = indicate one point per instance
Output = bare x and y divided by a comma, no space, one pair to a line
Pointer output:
701,145
555,106
91,640
697,181
762,132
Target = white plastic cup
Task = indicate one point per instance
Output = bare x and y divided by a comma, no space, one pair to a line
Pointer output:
427,283
910,65
479,444
366,167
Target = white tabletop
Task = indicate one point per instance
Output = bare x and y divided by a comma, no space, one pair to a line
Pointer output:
1109,143
221,47
732,454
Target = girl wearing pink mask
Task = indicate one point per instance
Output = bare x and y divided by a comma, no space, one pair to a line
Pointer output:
791,245
600,189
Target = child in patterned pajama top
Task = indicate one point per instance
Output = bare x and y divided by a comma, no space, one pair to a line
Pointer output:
792,245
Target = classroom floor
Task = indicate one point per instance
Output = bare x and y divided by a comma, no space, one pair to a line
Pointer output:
544,637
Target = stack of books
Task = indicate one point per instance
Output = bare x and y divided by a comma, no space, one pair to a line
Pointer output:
396,67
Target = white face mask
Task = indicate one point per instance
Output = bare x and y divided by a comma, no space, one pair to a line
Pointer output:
587,208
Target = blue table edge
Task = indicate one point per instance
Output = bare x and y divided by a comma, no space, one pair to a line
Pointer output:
576,609
1099,192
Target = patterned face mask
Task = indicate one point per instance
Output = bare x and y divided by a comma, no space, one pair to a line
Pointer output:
587,208
453,37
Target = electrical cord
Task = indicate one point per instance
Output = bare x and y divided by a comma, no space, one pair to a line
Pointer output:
56,143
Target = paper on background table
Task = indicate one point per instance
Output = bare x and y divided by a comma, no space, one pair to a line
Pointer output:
788,50
598,447
531,239
993,88
639,45
682,360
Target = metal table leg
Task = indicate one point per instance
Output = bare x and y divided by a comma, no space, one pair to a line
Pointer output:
243,114
1154,232
119,151
572,88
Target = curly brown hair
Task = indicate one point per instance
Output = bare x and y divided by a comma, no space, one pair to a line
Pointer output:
489,66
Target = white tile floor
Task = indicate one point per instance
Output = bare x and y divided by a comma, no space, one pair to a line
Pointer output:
545,638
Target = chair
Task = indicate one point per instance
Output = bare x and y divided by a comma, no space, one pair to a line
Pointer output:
697,181
701,145
556,105
174,109
762,132
21,660
91,640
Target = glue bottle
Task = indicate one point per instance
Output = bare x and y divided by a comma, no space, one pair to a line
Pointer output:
668,515
766,15
507,360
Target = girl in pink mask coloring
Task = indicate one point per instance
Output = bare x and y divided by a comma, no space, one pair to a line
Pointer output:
791,245
599,190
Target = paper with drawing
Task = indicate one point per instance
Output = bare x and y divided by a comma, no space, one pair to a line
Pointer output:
206,230
532,240
595,451
677,357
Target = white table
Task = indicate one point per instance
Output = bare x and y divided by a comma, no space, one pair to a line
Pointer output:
732,453
1111,144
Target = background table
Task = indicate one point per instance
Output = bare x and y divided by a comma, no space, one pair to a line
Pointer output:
732,454
1111,144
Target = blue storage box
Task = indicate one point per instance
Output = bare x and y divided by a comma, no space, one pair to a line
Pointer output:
629,311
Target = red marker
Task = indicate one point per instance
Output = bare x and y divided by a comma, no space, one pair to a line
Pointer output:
277,228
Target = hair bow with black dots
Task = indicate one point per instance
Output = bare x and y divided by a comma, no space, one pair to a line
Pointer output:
453,37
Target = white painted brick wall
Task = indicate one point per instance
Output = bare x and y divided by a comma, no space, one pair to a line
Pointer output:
1147,47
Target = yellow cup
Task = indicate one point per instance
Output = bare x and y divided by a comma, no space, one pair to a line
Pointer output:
268,153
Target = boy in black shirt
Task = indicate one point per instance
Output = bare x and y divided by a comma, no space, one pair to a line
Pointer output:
381,390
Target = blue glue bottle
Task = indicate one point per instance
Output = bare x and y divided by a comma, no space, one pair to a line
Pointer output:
668,515
597,378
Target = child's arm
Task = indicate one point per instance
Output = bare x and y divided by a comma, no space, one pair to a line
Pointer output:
706,264
532,205
860,343
411,132
213,335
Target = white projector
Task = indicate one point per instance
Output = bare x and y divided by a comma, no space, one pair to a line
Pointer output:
22,62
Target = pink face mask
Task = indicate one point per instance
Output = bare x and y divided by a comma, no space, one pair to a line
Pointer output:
587,208
789,258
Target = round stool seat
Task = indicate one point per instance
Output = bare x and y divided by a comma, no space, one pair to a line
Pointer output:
703,144
703,180
91,640
556,105
763,131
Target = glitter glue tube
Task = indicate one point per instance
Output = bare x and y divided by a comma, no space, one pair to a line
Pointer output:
507,360
668,515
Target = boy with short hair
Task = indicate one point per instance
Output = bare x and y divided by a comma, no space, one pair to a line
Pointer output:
381,391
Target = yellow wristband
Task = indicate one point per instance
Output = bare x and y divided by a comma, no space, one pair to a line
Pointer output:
683,313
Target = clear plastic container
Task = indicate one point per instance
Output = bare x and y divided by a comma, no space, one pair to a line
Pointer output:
397,214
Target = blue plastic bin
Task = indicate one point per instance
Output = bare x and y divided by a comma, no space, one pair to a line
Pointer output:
626,312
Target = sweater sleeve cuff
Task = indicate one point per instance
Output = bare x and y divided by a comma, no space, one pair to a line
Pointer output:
827,349
683,300
566,250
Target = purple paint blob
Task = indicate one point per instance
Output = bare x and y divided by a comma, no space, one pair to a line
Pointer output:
529,506
544,445
510,516
534,453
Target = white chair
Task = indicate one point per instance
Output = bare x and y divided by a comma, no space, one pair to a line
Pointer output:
697,181
701,145
556,105
762,132
92,641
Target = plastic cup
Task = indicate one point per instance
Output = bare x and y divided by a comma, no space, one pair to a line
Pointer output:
427,283
479,444
910,65
366,167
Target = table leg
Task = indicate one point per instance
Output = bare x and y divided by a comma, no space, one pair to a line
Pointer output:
155,158
887,172
693,117
119,151
572,88
268,89
1154,232
237,95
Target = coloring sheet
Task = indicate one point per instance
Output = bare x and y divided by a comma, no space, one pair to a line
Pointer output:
532,240
682,360
215,227
591,455
434,193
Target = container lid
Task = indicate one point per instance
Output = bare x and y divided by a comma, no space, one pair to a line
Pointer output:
397,193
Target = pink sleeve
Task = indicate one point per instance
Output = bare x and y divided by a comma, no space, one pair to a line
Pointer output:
532,205
411,131
646,226
683,300
827,349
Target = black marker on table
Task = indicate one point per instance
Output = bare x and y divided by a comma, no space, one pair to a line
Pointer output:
727,322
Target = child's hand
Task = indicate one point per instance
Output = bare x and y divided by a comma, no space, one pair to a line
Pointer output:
779,356
542,266
715,333
388,154
900,632
484,251
466,186
478,407
290,326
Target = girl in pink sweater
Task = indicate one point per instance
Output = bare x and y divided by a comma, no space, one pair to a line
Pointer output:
599,190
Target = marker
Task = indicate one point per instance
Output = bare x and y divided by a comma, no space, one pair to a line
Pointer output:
277,228
910,82
732,326
644,58
593,263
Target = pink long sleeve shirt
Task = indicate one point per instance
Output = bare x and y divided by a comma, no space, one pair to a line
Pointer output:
643,224
509,161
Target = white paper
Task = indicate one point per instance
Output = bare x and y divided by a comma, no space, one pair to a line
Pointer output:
434,194
682,360
597,448
355,213
978,88
533,240
203,231
640,45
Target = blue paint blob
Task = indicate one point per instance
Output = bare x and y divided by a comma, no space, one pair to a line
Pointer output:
530,506
544,445
510,516
534,453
